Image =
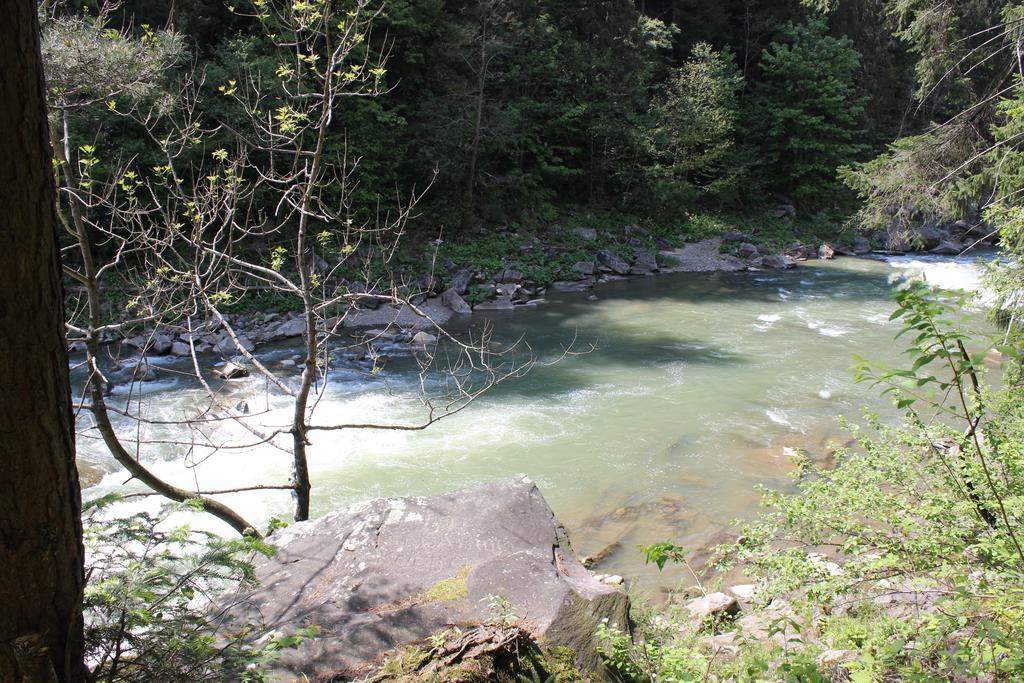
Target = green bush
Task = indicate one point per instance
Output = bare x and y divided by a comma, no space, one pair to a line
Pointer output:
148,603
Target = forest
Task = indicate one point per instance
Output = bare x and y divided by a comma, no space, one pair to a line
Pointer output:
281,275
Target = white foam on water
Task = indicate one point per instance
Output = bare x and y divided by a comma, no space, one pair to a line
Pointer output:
778,417
821,328
769,317
824,394
945,272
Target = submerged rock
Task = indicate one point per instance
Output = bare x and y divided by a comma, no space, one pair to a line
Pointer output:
232,370
502,303
382,574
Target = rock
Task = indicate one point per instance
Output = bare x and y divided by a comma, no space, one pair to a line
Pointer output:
428,283
138,342
295,327
861,245
379,575
460,281
612,262
775,261
508,275
747,250
452,300
317,264
509,290
565,286
744,591
242,407
948,248
371,302
774,623
722,645
701,257
502,303
232,370
613,580
712,605
423,339
897,237
735,236
161,344
831,660
644,263
588,234
142,371
826,252
226,346
931,236
531,244
181,349
585,268
785,211
800,252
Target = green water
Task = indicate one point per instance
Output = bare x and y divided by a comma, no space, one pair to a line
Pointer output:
697,386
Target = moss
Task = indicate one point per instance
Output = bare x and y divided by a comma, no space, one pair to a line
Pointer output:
450,589
561,665
405,663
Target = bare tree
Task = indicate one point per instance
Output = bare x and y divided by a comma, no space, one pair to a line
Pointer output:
272,214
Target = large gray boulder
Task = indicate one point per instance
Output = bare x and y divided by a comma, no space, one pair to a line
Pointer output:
381,574
644,263
611,261
295,327
452,300
774,261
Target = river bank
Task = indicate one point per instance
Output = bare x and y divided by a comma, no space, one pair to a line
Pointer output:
698,388
513,269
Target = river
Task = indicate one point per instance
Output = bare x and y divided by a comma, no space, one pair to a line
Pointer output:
698,386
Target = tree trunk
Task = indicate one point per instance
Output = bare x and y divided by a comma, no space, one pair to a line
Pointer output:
41,576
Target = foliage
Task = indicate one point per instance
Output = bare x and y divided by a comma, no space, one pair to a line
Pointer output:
154,597
932,506
88,63
692,130
804,116
910,183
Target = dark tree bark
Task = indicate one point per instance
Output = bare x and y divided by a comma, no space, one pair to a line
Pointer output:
41,574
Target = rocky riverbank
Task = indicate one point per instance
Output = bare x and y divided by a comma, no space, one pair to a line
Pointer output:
524,269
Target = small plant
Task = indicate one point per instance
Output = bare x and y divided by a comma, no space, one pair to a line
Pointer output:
502,611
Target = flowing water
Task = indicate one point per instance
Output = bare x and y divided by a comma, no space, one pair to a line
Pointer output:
698,386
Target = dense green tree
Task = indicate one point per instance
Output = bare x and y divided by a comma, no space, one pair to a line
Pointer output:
691,136
804,117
